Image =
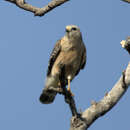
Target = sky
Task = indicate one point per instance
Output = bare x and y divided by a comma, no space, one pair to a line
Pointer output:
25,46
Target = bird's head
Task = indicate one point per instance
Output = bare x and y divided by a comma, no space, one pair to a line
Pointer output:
73,32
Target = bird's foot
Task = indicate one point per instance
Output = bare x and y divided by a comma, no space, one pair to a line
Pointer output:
69,90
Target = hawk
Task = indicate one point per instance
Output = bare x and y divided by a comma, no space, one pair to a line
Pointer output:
69,51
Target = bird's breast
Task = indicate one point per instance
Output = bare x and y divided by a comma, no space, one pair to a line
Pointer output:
71,59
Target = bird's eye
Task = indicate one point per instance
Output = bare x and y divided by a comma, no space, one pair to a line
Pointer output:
74,29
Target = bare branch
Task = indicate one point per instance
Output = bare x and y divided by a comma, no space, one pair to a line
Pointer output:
128,1
37,11
126,44
110,99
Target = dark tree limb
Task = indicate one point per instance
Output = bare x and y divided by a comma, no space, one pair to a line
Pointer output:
77,119
68,96
37,11
98,109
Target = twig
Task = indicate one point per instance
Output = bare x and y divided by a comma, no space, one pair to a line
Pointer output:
37,11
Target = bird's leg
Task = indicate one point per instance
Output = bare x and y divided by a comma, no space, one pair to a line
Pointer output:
68,85
69,78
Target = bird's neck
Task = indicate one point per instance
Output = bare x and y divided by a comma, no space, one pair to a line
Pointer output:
72,40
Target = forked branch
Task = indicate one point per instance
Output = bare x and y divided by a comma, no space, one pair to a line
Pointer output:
37,11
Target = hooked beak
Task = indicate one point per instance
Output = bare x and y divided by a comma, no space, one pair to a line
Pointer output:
68,29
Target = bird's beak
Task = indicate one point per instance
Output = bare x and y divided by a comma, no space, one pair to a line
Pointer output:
68,29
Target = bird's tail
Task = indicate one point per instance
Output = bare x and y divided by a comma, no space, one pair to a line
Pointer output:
47,96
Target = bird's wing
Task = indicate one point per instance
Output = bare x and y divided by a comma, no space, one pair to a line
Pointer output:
84,56
83,60
53,56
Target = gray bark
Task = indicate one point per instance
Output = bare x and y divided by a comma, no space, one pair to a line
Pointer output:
37,11
98,109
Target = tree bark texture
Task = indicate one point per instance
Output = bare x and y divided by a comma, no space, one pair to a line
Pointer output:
37,11
98,109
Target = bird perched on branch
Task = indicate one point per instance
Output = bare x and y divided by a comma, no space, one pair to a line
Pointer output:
70,52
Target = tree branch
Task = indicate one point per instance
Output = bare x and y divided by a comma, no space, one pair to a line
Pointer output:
126,44
128,1
37,11
68,96
98,109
